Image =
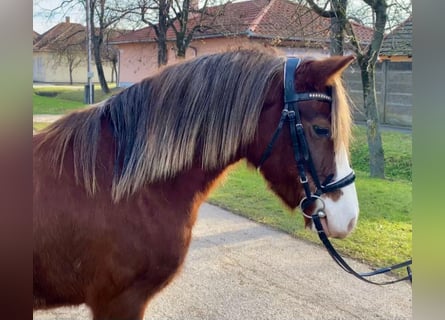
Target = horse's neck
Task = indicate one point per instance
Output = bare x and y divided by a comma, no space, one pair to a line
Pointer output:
194,184
182,195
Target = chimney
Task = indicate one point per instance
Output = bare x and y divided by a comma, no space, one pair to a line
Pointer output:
67,19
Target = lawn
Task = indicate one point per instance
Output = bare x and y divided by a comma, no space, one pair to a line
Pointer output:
62,99
397,149
53,105
37,126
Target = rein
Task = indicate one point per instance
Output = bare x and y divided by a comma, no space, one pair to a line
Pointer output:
302,156
362,276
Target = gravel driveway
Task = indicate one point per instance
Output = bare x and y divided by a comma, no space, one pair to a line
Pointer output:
238,269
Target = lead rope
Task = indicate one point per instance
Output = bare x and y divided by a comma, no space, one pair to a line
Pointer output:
362,276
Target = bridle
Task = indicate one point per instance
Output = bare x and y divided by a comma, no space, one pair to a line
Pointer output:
303,159
302,155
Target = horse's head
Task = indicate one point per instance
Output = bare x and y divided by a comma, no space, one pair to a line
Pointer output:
312,143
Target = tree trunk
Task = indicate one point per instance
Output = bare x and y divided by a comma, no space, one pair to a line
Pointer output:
181,45
116,75
162,51
338,25
181,34
99,67
162,28
336,47
70,69
376,155
367,63
337,14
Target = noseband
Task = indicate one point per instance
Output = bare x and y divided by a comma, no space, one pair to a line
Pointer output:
303,159
302,155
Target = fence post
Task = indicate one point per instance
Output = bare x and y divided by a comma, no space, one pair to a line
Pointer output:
384,89
88,99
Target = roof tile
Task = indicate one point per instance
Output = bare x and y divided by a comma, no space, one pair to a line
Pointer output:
278,19
66,32
399,41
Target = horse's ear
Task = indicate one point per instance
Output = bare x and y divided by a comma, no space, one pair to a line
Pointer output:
328,68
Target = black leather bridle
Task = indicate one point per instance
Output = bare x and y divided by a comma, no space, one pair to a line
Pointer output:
302,155
303,159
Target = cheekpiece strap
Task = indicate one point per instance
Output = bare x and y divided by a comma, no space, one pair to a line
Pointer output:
290,95
291,66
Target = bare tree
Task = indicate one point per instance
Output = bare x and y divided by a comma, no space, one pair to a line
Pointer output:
102,17
338,16
104,14
66,44
180,22
110,53
70,55
367,57
155,14
162,15
113,57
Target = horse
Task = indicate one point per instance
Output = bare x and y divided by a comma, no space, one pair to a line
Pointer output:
117,186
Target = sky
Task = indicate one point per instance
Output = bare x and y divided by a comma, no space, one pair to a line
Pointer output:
43,22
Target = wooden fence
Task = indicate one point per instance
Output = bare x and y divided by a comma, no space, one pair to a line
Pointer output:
394,92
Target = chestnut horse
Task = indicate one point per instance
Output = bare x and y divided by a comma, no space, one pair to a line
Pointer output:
117,186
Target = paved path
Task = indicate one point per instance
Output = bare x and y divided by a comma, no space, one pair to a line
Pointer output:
45,117
238,269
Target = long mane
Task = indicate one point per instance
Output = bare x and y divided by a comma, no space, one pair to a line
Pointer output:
341,115
205,109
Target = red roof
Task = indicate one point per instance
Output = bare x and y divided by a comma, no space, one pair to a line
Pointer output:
399,41
65,32
363,33
274,19
35,36
290,20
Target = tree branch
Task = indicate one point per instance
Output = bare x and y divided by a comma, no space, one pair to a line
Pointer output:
321,11
353,38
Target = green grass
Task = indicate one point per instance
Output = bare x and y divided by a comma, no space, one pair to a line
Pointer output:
62,99
397,152
384,232
53,105
37,126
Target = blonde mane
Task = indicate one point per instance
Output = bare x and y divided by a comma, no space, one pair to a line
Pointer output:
341,116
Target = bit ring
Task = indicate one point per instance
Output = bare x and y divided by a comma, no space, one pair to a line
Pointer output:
319,209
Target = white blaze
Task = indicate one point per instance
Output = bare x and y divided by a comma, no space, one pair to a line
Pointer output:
342,214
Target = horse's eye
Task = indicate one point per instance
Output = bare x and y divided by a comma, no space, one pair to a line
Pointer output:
321,131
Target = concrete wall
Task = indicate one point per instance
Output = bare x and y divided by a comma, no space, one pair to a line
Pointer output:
394,92
393,79
139,60
48,69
